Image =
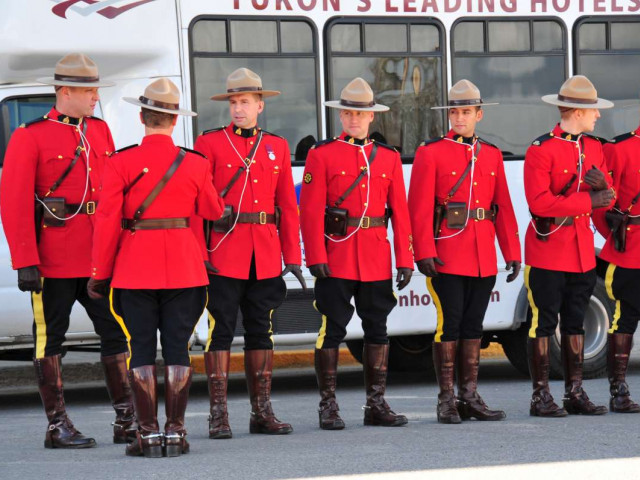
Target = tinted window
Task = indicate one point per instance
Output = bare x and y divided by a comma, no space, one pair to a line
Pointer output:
509,36
386,38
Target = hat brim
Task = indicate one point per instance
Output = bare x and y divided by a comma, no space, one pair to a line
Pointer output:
553,100
444,107
264,93
61,83
135,101
378,107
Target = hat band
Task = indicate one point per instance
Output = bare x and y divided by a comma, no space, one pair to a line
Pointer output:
244,89
583,101
461,103
349,103
156,103
74,78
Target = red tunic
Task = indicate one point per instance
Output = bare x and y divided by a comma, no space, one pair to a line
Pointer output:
36,157
548,166
269,184
153,259
436,169
623,161
331,168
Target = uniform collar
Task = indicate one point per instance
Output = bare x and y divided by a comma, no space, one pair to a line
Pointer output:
558,132
355,141
245,132
61,117
460,139
157,138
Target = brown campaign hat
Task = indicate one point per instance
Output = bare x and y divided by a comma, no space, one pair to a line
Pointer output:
242,81
464,94
76,70
161,95
357,95
577,92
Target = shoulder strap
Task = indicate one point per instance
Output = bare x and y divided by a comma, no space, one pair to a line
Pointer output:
160,185
455,188
247,161
363,172
79,149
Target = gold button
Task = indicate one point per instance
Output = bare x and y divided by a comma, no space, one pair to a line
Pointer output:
384,175
255,201
475,220
89,168
53,209
577,216
365,204
566,171
275,168
253,161
576,145
477,201
581,181
453,173
475,183
628,229
250,143
493,173
228,165
343,172
60,156
469,149
363,185
93,189
94,273
255,180
588,214
107,152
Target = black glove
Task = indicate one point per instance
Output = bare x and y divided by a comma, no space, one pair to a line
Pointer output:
29,279
427,266
601,198
595,179
98,289
321,270
211,270
297,272
515,266
403,277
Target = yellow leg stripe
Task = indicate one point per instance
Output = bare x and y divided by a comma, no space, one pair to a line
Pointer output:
323,329
616,317
212,325
532,304
206,302
122,325
608,280
271,326
41,324
440,316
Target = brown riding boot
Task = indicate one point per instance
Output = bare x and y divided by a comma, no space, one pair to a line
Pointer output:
377,412
216,364
61,432
576,401
258,367
469,402
144,386
542,404
177,381
117,379
326,363
617,361
444,355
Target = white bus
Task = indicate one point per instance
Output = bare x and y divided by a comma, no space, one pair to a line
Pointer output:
410,51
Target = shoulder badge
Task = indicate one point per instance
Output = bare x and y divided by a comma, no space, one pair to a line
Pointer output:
429,141
269,133
211,130
487,143
599,139
123,149
326,141
34,121
541,139
623,137
308,178
194,151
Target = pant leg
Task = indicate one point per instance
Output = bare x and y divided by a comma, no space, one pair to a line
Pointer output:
374,302
180,310
138,312
622,287
575,300
51,311
447,292
476,300
333,301
545,294
225,294
112,338
260,300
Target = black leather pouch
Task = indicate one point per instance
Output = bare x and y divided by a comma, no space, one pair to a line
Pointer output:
224,224
335,221
456,214
54,206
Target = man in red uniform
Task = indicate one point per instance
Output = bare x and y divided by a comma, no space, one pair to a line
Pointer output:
459,178
619,263
565,180
252,171
351,187
144,246
55,164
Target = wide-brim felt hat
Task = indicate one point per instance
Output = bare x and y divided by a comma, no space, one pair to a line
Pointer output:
76,70
162,95
357,95
464,94
577,92
242,81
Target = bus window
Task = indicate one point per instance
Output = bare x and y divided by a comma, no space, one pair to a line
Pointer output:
282,51
15,111
402,60
607,51
514,62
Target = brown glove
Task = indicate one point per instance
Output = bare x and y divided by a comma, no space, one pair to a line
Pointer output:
97,289
321,270
29,279
427,266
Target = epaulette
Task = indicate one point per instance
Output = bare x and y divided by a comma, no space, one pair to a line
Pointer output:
123,149
95,118
384,145
34,121
599,139
194,151
211,130
269,133
431,140
487,143
324,142
623,137
541,139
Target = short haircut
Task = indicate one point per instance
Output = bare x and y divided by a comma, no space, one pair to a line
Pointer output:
566,112
156,119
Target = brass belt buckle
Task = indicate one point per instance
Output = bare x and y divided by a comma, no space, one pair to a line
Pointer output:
365,222
91,208
480,215
263,218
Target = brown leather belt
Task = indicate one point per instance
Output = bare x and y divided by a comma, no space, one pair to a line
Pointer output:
564,221
367,222
258,218
88,208
482,214
154,223
634,221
